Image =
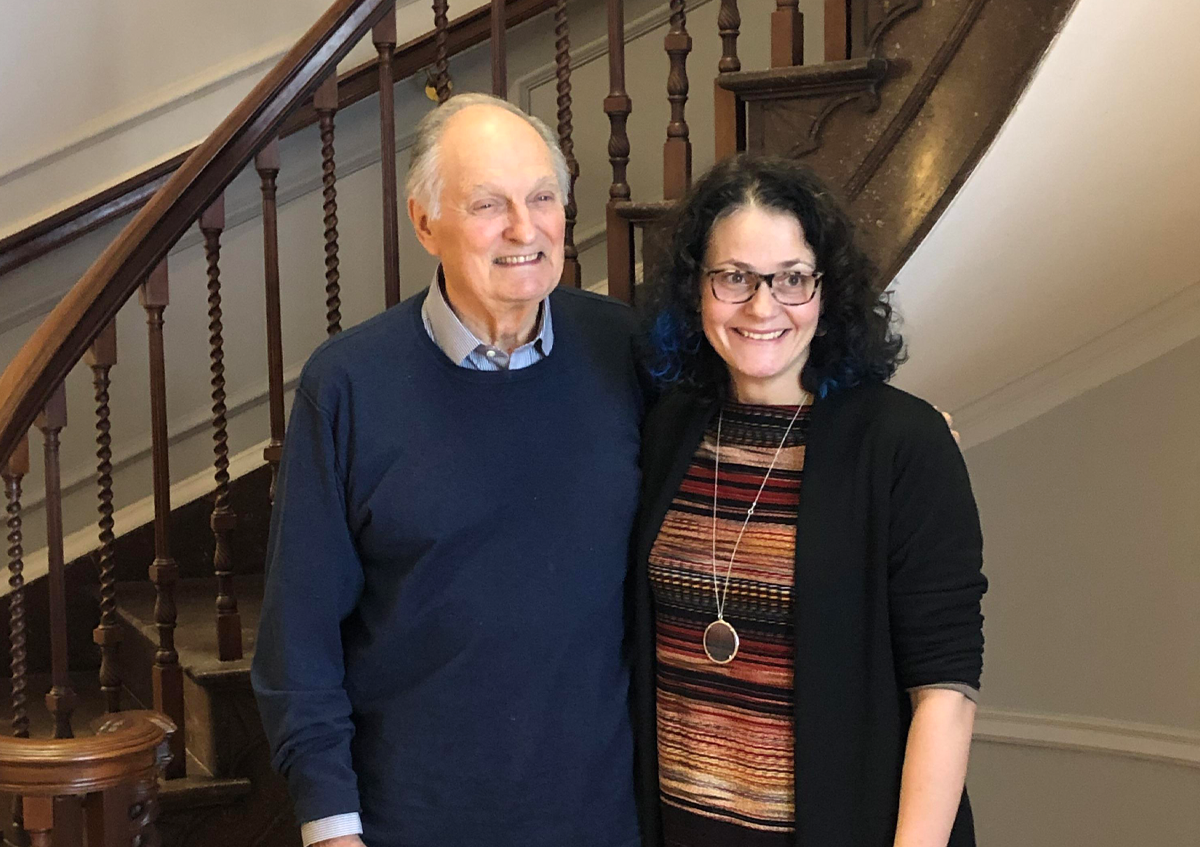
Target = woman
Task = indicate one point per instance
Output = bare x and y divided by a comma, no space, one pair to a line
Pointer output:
807,624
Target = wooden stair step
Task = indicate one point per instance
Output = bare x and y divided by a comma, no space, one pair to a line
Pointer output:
846,76
642,212
195,627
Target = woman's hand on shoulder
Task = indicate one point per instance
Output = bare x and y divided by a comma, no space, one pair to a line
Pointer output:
950,423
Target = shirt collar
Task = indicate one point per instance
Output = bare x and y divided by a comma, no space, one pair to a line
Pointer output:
458,342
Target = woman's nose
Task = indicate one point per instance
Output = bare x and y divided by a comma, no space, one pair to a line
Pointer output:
763,302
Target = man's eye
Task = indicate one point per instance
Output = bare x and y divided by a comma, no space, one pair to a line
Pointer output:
544,198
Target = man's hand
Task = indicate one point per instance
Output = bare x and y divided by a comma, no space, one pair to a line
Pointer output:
341,841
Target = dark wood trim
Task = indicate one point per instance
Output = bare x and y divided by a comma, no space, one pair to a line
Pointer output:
131,194
61,340
828,78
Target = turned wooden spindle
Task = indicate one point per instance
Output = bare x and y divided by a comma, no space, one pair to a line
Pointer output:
61,699
728,116
267,165
562,64
499,50
618,106
787,34
223,519
39,820
166,674
677,151
384,38
325,102
101,357
441,63
13,472
837,30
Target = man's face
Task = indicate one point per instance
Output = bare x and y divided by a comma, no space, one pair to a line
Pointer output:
499,234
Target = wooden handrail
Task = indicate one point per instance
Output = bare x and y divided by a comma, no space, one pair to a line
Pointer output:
127,748
61,228
82,314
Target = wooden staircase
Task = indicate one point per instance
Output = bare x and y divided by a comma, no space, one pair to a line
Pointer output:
908,99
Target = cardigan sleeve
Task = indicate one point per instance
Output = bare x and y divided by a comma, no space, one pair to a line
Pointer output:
314,577
935,558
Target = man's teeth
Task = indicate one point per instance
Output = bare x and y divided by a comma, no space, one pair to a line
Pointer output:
761,336
517,260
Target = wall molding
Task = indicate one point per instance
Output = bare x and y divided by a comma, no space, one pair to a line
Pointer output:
524,85
238,213
84,541
1142,339
1084,734
167,99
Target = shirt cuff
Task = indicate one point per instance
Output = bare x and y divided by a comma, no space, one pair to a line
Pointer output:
333,826
962,688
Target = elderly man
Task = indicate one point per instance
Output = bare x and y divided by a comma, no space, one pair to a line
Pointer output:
440,656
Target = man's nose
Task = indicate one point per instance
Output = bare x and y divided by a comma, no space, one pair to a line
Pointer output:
520,225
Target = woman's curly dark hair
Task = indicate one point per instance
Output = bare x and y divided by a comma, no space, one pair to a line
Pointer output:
855,342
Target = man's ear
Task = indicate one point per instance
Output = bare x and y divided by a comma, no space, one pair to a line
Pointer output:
419,216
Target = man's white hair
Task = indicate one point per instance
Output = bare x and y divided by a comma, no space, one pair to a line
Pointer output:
425,181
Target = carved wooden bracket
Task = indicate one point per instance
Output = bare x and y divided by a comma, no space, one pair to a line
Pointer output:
813,94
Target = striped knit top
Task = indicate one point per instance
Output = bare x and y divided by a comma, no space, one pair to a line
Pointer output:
726,732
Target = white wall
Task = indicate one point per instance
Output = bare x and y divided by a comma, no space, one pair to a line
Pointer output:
1092,546
94,92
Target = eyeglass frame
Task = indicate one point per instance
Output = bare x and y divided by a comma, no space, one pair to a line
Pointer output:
768,279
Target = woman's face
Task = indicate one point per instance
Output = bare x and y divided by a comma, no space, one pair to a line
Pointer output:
764,344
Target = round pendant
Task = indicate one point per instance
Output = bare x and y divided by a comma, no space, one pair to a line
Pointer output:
720,642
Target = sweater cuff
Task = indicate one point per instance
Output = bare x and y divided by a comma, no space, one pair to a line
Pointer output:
962,688
333,826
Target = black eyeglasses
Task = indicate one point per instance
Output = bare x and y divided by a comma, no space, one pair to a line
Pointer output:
789,288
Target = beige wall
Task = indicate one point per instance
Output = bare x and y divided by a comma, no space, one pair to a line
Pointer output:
1092,545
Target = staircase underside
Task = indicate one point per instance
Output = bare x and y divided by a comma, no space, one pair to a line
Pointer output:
897,133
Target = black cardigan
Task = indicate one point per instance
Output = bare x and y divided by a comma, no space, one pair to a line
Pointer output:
887,594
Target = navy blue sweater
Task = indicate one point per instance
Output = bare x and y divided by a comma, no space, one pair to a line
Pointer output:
441,640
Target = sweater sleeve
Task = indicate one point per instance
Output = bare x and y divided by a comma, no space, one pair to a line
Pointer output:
314,577
935,558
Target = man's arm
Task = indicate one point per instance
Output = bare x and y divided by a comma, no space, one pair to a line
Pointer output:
314,578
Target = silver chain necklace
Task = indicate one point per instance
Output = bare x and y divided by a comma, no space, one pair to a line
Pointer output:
720,638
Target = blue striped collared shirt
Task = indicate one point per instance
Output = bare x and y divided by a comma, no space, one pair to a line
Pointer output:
462,347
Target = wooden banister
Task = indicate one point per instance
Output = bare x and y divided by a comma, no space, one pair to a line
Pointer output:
61,228
127,747
61,340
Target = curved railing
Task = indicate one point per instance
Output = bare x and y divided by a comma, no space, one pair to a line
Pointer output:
303,85
115,771
60,342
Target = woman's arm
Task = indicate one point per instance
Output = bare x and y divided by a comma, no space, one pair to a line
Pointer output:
935,767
